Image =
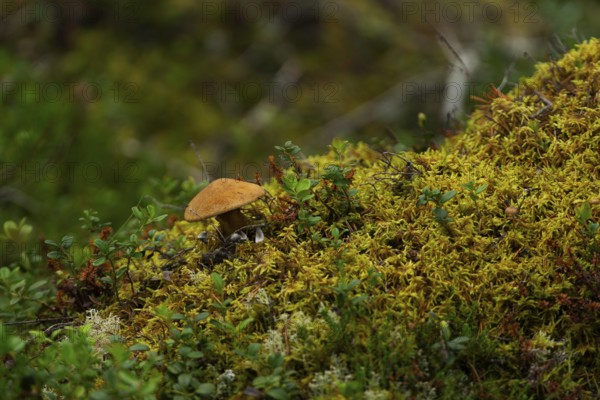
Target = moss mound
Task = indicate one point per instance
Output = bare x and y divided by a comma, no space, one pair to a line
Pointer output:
468,271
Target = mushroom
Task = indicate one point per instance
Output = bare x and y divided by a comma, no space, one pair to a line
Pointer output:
222,198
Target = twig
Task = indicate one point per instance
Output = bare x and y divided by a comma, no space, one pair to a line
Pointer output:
543,110
442,38
204,170
507,72
38,321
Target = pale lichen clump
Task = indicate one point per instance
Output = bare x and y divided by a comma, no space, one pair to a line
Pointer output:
101,330
515,294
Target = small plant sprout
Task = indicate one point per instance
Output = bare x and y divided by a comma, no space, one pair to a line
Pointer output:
62,251
91,222
312,201
19,234
223,199
438,198
422,118
583,215
473,191
300,191
291,154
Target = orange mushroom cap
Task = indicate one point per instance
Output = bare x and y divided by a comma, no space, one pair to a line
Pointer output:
220,196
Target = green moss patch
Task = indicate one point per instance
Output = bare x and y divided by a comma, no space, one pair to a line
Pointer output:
465,272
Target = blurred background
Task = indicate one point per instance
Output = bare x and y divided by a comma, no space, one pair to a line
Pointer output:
100,99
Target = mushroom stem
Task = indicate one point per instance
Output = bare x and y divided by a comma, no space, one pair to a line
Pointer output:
231,221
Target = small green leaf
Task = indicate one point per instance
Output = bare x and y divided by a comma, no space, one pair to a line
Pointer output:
206,389
244,324
469,185
447,196
289,182
107,280
202,316
159,218
583,213
26,231
128,378
67,241
185,350
278,394
218,281
441,215
481,188
36,285
175,368
54,255
139,347
101,245
51,243
137,213
458,343
13,344
253,349
275,360
314,220
151,211
195,354
10,229
99,261
303,185
304,196
16,286
100,395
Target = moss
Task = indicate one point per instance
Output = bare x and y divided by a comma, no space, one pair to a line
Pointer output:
487,303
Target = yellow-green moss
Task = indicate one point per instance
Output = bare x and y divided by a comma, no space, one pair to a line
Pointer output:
524,288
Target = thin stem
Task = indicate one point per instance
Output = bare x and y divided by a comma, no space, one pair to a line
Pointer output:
114,277
128,275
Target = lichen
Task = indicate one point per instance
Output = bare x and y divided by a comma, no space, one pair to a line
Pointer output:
393,299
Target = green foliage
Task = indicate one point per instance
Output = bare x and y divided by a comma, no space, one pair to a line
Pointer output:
278,384
133,247
91,222
18,237
329,198
473,191
21,296
185,357
583,215
127,378
63,252
18,233
85,265
438,198
65,365
290,154
298,190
